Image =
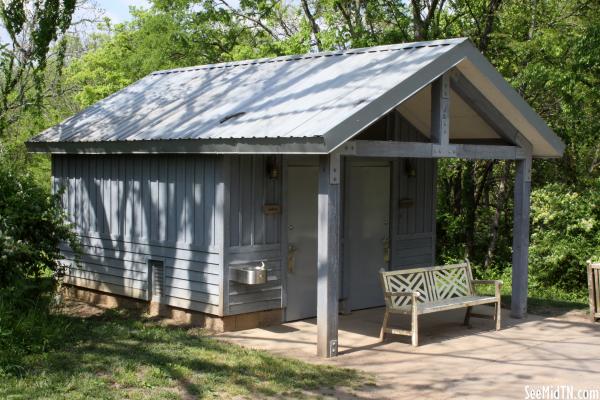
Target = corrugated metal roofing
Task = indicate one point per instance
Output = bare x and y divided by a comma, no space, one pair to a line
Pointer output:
298,96
318,97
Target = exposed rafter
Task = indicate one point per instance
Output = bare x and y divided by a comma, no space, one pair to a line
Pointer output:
490,114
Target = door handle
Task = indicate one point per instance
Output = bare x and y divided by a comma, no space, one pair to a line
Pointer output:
386,250
291,258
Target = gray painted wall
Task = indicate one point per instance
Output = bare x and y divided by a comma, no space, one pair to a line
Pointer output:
252,235
184,210
413,227
130,209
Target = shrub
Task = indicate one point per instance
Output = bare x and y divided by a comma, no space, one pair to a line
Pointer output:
32,225
565,233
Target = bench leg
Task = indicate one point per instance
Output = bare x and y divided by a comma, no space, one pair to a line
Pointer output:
468,316
498,315
415,329
384,325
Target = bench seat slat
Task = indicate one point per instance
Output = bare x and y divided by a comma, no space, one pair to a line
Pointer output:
446,304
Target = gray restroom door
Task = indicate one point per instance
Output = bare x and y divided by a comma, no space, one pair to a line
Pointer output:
302,242
367,230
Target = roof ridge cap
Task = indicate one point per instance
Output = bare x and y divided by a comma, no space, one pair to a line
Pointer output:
308,56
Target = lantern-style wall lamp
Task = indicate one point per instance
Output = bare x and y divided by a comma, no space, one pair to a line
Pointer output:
409,169
272,168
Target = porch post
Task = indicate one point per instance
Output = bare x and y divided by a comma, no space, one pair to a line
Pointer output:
521,238
328,259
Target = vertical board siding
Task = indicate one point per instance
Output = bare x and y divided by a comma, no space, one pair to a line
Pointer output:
210,212
250,190
413,235
129,209
254,236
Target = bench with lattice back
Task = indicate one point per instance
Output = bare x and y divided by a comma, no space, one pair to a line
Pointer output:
418,291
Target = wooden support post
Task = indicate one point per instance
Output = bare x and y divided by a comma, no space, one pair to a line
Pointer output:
591,288
594,289
328,259
520,256
440,110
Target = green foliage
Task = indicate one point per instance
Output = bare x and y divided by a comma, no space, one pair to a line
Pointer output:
27,325
565,234
552,57
550,52
32,224
167,36
33,27
542,300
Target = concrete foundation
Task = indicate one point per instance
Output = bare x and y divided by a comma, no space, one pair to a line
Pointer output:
174,315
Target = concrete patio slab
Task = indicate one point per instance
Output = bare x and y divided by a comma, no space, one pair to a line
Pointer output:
452,361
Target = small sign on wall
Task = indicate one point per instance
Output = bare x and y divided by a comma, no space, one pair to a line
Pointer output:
271,209
406,202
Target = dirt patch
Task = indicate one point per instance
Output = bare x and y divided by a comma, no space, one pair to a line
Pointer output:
80,309
560,312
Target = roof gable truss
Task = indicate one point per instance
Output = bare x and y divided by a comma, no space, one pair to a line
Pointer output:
490,114
440,146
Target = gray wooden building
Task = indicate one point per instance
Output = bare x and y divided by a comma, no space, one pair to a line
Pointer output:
283,185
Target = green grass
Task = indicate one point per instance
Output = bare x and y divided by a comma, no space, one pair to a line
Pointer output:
549,301
547,306
117,355
541,300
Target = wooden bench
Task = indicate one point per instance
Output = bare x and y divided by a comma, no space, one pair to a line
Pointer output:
594,286
427,290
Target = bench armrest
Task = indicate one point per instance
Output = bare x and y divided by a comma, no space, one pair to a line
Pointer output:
413,295
486,282
496,283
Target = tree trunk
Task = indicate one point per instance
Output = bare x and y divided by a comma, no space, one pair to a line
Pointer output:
484,40
314,27
422,24
495,223
419,28
469,206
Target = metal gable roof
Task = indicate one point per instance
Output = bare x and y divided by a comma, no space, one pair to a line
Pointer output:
310,103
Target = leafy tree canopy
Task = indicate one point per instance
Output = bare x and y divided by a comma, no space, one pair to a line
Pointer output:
33,27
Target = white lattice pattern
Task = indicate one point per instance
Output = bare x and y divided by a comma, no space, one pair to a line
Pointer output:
409,283
451,283
433,284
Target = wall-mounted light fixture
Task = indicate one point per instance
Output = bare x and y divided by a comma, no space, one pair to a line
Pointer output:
409,169
272,169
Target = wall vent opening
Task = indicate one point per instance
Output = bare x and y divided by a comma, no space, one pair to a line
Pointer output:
156,274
